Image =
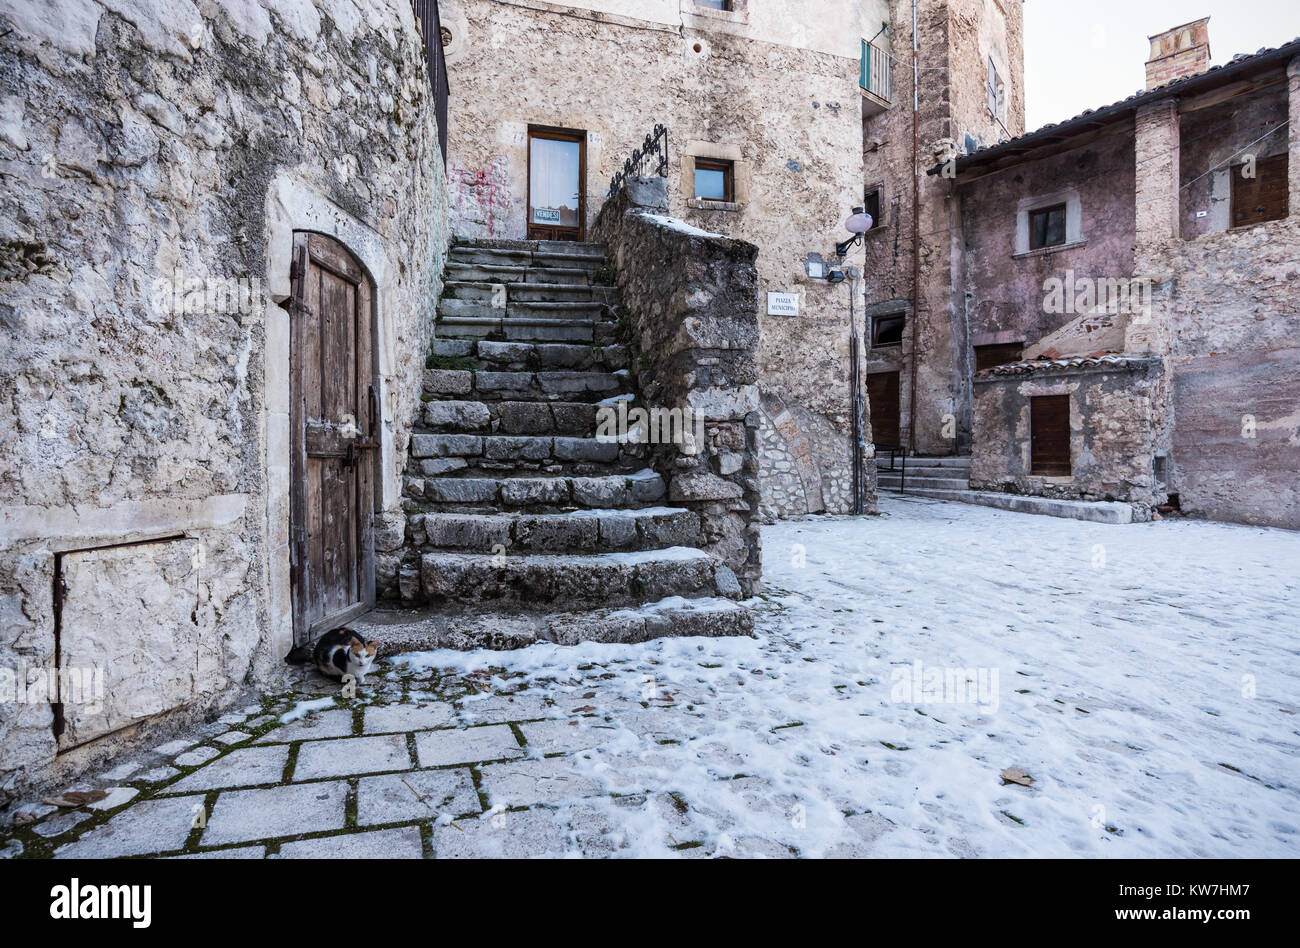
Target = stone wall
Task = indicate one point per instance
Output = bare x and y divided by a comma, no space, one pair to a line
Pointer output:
1112,449
157,157
691,310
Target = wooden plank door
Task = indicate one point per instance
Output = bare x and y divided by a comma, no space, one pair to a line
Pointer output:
557,169
1049,435
334,419
882,394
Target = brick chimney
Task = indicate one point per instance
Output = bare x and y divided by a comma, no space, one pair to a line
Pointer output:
1180,52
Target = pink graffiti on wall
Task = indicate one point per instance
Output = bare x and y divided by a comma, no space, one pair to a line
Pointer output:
479,197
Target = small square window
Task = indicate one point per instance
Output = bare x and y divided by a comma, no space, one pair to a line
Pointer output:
1047,227
871,203
714,180
887,331
715,4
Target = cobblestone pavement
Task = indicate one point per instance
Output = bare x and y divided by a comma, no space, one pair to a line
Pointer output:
1118,656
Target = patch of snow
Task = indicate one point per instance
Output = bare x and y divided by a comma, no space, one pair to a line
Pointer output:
672,223
304,708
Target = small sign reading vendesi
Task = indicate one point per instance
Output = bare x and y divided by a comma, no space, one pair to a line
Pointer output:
783,304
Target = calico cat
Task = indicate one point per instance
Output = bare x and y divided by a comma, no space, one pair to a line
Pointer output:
338,653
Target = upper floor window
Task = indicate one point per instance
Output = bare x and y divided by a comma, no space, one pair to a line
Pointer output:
887,331
1259,191
997,94
1047,227
716,4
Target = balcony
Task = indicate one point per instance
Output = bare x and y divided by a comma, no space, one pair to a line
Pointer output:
875,79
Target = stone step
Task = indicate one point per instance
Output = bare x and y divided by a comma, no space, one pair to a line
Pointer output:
598,331
513,273
469,455
551,259
516,386
601,579
527,356
579,531
893,481
534,494
882,463
1092,511
527,293
511,243
574,419
485,309
455,626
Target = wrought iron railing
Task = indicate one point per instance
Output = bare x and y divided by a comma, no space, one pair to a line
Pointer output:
655,146
426,15
876,71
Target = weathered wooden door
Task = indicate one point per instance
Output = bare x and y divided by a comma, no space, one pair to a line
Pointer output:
882,394
334,425
1049,435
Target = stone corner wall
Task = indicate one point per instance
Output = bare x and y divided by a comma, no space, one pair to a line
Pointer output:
1113,413
690,321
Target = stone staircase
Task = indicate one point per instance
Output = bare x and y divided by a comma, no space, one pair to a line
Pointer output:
948,478
521,524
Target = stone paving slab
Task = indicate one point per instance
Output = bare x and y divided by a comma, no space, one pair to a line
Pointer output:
235,852
395,798
525,782
526,834
148,827
401,843
408,717
331,723
554,737
351,755
491,742
497,709
246,815
240,768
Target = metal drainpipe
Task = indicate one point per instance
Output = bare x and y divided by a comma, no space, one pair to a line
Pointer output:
855,384
916,223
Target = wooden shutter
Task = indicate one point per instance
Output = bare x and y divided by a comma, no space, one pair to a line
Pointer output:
1049,433
1263,197
986,357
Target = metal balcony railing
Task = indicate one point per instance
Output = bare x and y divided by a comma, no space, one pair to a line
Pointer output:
877,72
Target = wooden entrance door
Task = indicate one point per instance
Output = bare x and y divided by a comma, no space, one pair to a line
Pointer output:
882,393
557,168
334,426
1049,435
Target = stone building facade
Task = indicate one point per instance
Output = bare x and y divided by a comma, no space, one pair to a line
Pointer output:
1141,260
777,95
158,158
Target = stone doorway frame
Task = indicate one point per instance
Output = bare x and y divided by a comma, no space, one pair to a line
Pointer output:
292,206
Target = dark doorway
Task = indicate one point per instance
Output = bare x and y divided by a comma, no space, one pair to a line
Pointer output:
882,395
1049,435
334,427
557,169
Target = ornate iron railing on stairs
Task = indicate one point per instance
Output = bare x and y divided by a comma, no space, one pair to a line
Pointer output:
426,15
655,145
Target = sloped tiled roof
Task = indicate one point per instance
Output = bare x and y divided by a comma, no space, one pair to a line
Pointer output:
1213,76
1061,365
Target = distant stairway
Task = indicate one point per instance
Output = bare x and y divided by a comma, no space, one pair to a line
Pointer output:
521,524
948,478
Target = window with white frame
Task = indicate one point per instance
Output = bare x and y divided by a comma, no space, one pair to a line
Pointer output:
997,94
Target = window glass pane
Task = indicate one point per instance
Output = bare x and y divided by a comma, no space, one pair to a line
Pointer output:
887,331
710,184
1056,226
553,173
712,4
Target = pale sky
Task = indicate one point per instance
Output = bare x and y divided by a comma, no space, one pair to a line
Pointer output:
1081,55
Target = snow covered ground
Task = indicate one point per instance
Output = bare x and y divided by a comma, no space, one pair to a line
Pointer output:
1146,677
940,680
